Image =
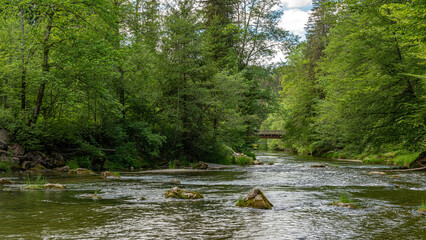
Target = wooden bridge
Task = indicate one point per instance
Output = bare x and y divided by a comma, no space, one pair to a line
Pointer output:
273,134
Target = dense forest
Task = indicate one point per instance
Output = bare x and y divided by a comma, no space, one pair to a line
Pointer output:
356,86
116,83
119,84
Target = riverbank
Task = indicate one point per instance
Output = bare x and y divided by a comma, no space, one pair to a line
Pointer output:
401,158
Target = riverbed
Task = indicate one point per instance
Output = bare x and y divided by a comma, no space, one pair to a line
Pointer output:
300,194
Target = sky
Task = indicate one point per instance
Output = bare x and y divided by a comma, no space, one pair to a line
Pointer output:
296,14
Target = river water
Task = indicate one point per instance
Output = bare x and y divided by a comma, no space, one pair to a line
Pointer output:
300,194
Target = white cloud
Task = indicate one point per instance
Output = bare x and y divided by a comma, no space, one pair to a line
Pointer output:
294,20
296,3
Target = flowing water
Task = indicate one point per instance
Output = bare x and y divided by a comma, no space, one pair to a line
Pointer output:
300,194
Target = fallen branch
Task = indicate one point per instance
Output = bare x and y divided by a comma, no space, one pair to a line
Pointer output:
406,170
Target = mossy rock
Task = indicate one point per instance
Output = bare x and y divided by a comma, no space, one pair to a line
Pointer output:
108,174
54,186
182,194
255,199
90,196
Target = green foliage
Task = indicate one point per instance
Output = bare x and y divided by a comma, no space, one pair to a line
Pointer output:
356,86
35,184
243,160
5,166
179,83
172,164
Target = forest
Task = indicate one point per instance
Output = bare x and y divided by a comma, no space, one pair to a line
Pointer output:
356,87
116,84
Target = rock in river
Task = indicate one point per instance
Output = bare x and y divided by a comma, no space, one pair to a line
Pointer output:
182,194
5,181
54,186
107,174
175,181
255,199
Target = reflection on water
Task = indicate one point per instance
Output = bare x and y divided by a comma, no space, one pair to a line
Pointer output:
300,195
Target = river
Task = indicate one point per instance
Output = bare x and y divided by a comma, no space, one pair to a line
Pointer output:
300,194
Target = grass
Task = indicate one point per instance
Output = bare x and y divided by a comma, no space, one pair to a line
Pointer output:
116,174
344,198
38,183
345,201
402,158
240,201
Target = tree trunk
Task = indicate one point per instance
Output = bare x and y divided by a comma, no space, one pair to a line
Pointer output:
46,69
23,68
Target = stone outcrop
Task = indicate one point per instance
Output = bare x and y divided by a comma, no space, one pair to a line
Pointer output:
182,194
255,199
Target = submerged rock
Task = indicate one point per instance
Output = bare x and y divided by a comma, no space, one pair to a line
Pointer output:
271,163
379,173
107,174
93,196
54,186
318,165
341,204
255,199
5,181
182,194
175,181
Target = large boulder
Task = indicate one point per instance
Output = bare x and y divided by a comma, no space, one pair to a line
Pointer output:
35,158
255,199
55,160
16,149
182,194
4,135
3,145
